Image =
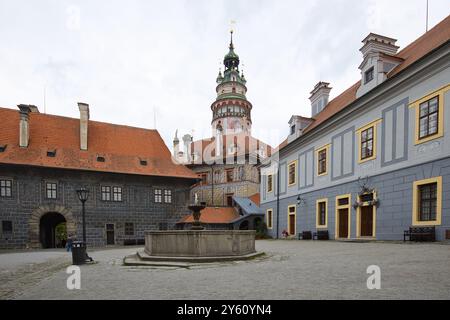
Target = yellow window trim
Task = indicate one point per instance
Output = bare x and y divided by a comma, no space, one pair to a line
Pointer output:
271,184
295,219
336,218
358,218
295,163
373,125
327,148
271,219
437,93
415,206
319,226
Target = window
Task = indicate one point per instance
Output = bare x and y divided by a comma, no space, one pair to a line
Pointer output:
321,211
269,218
427,202
168,196
106,193
322,158
129,229
229,200
368,75
117,194
5,188
51,153
429,112
269,183
293,129
367,143
7,226
158,195
51,188
204,177
292,173
100,159
229,175
428,118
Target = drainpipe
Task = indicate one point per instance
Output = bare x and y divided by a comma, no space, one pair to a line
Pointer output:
278,199
212,185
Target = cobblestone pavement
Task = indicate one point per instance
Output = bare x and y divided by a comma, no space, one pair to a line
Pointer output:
290,270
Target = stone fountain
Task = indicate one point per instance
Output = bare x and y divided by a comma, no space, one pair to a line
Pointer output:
197,245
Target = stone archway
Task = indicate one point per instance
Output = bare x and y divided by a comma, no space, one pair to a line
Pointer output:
34,222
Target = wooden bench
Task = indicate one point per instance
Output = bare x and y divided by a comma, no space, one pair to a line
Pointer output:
420,234
321,235
305,235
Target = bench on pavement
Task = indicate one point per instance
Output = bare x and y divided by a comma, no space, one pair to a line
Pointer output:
420,234
305,235
321,235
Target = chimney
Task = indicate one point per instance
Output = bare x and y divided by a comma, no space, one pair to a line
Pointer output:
84,122
187,139
375,43
319,97
176,145
24,125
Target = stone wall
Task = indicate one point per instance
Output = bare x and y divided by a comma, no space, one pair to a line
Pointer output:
28,204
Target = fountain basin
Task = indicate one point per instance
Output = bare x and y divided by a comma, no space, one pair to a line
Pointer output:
200,243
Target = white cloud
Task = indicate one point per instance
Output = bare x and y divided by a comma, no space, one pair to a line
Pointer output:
132,59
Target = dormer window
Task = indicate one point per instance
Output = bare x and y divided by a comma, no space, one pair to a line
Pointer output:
51,153
3,148
100,159
368,75
143,162
293,129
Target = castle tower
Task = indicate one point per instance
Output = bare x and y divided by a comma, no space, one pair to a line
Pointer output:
231,110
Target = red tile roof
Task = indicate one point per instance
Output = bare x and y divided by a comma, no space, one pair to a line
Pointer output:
246,145
219,215
431,40
256,199
122,147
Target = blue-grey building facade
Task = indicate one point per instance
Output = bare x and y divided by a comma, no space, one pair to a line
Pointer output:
375,160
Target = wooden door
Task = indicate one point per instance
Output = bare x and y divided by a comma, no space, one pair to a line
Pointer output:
109,234
343,223
366,221
292,224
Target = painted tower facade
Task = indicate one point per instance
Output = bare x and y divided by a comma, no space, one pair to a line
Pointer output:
231,110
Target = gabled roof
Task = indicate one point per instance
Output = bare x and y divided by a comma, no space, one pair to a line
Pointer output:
247,206
256,198
123,147
431,40
246,145
214,215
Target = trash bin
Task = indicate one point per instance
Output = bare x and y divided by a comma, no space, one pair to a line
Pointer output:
78,253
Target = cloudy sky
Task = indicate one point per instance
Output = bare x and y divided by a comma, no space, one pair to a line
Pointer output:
137,61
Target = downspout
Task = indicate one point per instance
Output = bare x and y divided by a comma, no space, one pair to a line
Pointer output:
278,199
212,185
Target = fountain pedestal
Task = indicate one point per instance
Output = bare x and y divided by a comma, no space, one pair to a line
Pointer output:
195,246
196,208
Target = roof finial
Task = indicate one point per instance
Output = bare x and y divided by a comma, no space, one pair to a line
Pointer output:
232,22
231,41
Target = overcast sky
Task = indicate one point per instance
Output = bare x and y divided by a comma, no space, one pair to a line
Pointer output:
134,61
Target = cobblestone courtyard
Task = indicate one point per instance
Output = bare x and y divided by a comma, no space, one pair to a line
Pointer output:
290,270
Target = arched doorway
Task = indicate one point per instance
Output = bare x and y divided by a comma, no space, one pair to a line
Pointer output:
243,225
52,230
34,234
